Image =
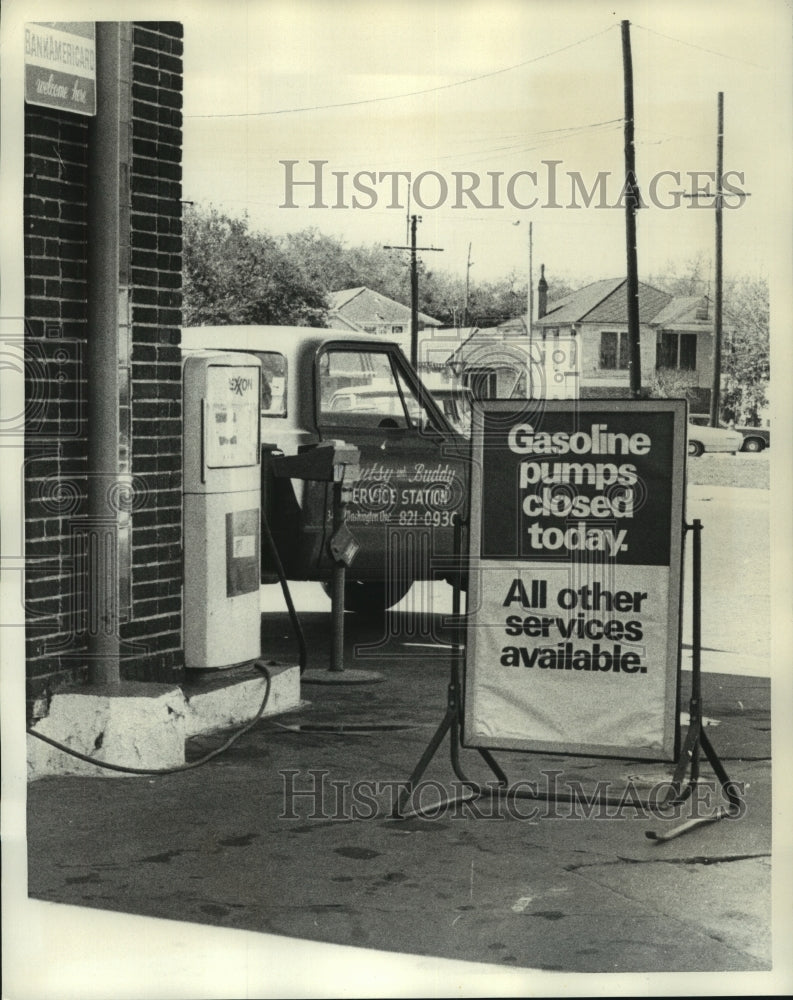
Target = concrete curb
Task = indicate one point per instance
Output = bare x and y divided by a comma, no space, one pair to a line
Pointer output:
145,726
234,698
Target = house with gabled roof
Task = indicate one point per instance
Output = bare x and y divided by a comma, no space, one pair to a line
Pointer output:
675,334
366,311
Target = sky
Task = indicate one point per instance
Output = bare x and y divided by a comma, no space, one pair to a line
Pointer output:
495,89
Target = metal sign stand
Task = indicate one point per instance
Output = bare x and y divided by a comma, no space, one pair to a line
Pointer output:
343,549
695,740
337,463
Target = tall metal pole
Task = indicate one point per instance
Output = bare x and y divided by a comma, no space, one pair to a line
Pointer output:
631,206
104,242
715,395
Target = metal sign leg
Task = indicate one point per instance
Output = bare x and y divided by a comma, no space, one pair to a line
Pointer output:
695,740
696,737
451,722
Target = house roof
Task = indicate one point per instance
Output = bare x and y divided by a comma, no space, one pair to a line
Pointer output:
574,307
339,299
604,301
363,305
614,308
684,309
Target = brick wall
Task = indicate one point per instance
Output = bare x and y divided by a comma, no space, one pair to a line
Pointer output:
156,301
56,147
55,223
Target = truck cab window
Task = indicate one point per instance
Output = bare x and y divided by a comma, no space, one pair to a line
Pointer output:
273,400
365,389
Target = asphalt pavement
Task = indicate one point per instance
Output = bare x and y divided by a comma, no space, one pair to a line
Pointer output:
290,833
288,840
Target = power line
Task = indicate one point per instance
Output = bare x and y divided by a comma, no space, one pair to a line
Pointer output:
691,45
412,93
530,143
473,156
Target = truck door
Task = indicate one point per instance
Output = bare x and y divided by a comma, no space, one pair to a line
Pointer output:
412,486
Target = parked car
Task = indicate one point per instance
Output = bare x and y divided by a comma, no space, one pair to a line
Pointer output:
754,438
702,438
375,398
324,385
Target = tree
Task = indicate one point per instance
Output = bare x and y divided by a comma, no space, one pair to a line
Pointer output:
322,260
232,275
690,277
745,360
746,365
235,275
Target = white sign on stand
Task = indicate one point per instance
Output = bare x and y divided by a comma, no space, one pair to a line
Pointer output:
574,592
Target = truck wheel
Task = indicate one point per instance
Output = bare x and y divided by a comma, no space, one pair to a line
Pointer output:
371,597
753,444
695,448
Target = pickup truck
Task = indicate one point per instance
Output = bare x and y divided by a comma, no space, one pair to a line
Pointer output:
331,385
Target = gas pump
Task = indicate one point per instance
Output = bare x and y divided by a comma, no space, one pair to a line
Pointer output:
222,508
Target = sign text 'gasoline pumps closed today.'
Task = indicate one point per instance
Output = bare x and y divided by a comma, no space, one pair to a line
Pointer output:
574,593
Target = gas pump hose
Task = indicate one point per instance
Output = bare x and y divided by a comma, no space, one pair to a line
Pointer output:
301,639
179,767
279,566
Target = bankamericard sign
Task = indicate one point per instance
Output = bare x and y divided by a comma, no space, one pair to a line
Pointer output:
60,65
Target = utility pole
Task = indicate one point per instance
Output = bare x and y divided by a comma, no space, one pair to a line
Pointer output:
631,206
467,286
414,296
530,303
715,394
414,287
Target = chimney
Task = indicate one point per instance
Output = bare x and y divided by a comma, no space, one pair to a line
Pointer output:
542,294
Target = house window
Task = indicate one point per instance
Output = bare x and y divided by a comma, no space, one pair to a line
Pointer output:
677,351
614,349
688,351
397,329
370,329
